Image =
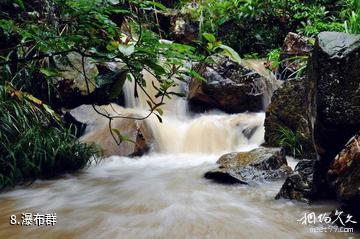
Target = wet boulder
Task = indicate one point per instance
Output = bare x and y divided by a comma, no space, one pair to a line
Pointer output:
230,87
334,77
250,167
334,108
294,48
344,174
299,185
289,111
136,132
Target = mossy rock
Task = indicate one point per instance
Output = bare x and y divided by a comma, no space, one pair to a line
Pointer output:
289,109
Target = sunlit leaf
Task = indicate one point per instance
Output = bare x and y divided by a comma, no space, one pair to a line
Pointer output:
160,111
157,5
32,98
49,72
228,51
113,45
197,76
209,37
51,112
127,50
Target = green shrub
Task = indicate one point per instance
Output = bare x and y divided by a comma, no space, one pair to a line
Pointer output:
261,25
290,141
32,145
352,15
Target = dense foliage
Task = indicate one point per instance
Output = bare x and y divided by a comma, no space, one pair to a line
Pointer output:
33,144
260,25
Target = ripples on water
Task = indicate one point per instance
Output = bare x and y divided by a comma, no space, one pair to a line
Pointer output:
156,196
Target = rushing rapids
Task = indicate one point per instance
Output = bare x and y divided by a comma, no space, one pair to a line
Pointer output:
163,194
181,131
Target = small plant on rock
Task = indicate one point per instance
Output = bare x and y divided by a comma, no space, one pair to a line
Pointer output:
290,141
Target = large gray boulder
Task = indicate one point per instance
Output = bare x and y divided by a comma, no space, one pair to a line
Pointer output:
230,87
334,74
250,167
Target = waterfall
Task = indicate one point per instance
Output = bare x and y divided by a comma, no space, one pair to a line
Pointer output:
182,132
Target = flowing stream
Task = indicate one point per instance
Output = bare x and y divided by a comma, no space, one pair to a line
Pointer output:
163,194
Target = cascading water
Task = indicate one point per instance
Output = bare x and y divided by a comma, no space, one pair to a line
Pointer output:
209,133
163,194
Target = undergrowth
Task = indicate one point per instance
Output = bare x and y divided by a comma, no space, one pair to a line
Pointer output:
33,145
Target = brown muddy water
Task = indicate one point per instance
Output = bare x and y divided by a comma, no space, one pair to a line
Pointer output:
164,195
156,196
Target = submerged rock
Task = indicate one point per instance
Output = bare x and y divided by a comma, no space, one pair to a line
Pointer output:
289,110
299,185
344,174
334,76
250,167
137,133
230,87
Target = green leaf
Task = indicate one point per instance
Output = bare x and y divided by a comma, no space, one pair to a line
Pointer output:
127,50
157,5
114,2
20,3
197,76
160,111
159,70
51,112
32,98
117,87
113,45
121,137
228,51
209,37
49,72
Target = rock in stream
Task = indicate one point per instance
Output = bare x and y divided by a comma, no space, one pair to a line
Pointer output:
250,167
